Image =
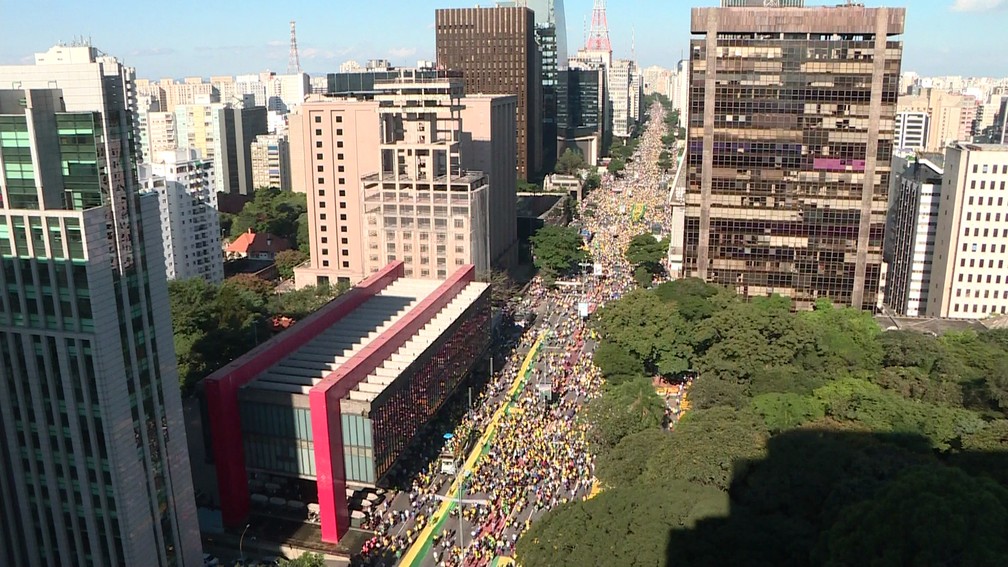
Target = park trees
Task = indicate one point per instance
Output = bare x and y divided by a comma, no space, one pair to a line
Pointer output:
623,410
287,260
281,213
557,250
570,162
644,251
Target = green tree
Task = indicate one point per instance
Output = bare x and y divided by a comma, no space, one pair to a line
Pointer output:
304,560
690,296
616,166
649,330
616,364
300,303
623,410
557,249
781,411
274,211
928,516
570,162
287,260
593,181
646,252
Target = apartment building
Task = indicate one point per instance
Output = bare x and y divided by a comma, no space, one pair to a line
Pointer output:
969,279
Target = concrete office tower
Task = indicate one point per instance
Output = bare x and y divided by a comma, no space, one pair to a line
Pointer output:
950,116
190,222
334,142
788,183
422,206
271,162
582,107
969,279
911,131
223,134
93,462
489,144
910,234
339,145
495,49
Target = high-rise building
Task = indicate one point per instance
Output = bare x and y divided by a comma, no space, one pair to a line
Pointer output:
94,467
551,36
911,131
968,278
443,220
271,162
788,184
495,49
393,173
950,116
223,134
190,91
190,222
582,108
910,233
157,132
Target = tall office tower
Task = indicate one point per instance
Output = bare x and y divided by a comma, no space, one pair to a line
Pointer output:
910,234
421,206
581,111
271,162
190,222
789,143
911,131
495,49
551,36
625,96
223,134
968,278
94,468
488,144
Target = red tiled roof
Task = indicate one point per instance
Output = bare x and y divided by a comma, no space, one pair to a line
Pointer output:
252,243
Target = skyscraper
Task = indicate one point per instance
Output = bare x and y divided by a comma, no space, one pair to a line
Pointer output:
94,468
495,49
789,142
551,36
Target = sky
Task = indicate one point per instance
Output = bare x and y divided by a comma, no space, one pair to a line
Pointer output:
188,38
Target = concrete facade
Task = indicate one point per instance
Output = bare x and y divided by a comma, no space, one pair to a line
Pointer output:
270,154
190,221
968,279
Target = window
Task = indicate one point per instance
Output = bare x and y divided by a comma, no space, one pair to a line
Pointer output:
318,131
318,119
339,119
321,192
318,156
325,239
319,168
318,144
339,131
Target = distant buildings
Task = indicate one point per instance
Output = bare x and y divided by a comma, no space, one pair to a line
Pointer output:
911,130
190,223
583,112
969,279
270,155
495,50
910,233
94,460
950,116
788,185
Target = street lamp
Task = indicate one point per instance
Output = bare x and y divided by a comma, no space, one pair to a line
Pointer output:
241,543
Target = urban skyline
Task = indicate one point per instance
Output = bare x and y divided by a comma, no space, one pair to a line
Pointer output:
950,37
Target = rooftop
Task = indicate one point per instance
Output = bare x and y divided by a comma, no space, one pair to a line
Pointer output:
983,147
305,367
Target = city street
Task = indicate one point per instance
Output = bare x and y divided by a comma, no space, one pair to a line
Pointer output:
536,456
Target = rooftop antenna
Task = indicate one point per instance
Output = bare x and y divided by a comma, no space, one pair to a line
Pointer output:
599,38
294,63
633,43
584,30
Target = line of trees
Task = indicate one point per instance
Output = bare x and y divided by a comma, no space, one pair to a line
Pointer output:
813,439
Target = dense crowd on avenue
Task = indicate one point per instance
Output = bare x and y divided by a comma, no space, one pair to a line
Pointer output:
539,456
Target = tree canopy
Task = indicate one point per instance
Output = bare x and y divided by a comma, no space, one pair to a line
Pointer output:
644,251
570,162
812,438
281,213
557,250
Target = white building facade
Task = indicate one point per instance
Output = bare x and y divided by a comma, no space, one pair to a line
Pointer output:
190,221
969,279
911,130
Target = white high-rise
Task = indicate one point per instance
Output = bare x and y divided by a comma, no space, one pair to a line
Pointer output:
190,222
968,278
94,468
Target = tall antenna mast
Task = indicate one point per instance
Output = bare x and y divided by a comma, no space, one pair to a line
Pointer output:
294,63
598,40
633,44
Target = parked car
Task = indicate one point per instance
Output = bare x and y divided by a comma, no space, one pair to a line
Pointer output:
210,560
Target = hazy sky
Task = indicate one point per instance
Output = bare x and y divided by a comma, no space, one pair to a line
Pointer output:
184,37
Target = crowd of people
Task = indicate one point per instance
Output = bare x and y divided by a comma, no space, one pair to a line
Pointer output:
539,456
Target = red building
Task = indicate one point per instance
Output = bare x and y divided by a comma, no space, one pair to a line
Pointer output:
333,401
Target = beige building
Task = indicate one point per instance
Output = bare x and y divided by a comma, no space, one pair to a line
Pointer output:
394,175
191,91
968,275
950,116
271,162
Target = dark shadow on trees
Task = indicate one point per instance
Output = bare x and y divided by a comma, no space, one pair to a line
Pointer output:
828,497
